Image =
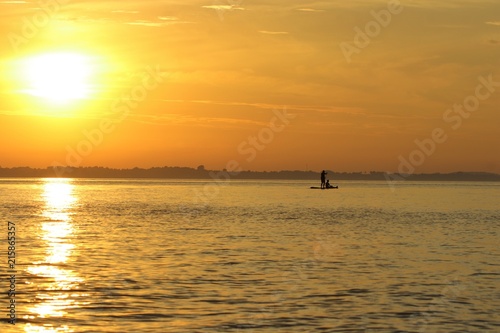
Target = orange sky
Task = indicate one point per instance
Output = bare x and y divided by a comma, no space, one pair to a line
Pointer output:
340,85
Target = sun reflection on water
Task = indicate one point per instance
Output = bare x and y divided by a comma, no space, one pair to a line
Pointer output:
59,199
53,296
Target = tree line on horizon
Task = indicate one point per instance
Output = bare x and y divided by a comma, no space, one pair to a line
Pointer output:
201,173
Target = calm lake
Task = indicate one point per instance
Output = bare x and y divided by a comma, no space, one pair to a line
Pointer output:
101,255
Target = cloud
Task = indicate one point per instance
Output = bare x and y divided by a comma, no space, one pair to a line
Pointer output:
273,32
164,21
220,9
493,23
224,7
168,18
310,10
147,23
268,106
450,26
125,11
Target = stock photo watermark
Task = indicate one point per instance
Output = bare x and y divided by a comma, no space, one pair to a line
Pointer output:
120,108
453,116
249,149
324,248
11,271
445,302
31,25
372,29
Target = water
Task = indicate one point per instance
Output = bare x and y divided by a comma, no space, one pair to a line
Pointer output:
251,256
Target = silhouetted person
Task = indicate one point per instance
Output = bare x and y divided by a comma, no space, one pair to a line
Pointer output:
327,185
323,179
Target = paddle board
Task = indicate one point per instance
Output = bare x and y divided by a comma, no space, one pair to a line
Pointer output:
319,188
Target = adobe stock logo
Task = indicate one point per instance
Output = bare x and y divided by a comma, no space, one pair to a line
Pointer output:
265,136
120,110
453,116
373,28
31,25
249,148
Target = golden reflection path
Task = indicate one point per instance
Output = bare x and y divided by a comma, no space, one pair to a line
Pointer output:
58,291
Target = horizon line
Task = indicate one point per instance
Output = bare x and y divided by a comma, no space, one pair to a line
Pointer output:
248,170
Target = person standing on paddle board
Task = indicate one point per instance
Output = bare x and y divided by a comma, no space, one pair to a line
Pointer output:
323,179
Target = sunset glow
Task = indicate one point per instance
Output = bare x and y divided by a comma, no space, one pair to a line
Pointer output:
188,84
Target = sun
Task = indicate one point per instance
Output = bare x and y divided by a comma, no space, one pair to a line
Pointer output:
59,77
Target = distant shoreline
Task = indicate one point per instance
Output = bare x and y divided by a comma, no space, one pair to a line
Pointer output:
222,175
